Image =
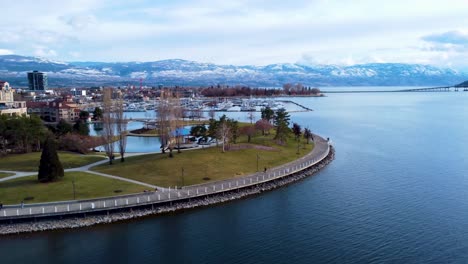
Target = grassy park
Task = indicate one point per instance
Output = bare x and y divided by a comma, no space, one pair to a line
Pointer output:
210,164
252,152
86,186
3,174
30,161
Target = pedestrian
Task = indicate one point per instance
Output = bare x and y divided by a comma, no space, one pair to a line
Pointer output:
22,204
264,170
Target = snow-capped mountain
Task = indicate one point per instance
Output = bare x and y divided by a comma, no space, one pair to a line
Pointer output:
182,72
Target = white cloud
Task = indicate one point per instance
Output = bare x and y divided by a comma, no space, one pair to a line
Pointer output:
74,54
238,32
80,22
6,52
44,52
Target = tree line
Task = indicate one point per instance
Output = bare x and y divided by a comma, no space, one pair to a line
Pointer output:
226,130
219,91
287,89
24,134
21,134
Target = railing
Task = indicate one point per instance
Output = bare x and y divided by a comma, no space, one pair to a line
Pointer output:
321,150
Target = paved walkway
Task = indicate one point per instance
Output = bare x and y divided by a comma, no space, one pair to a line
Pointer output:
163,195
85,168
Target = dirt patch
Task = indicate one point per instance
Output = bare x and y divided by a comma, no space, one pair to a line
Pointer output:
251,146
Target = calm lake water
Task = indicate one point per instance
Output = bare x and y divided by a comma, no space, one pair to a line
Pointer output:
397,192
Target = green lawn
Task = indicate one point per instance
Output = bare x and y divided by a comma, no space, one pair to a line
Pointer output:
4,174
86,185
159,169
30,161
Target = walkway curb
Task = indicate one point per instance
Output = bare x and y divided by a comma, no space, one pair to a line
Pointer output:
161,201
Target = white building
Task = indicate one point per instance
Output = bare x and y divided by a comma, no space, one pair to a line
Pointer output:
8,106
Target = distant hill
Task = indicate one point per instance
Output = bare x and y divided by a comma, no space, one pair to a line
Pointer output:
182,72
463,84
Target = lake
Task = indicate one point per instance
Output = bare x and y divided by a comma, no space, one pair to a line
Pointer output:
397,192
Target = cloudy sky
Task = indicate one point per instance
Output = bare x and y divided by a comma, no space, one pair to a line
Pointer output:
239,32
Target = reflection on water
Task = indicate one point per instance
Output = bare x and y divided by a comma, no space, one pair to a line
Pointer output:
397,192
134,144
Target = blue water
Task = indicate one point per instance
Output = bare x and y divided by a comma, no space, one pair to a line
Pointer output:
397,192
134,144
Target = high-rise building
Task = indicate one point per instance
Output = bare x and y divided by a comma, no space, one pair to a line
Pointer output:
37,81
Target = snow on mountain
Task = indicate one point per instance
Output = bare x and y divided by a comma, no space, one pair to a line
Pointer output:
138,75
184,72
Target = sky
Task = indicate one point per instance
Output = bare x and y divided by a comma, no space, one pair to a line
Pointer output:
240,32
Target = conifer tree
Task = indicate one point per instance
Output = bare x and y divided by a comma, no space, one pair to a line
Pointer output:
50,167
281,121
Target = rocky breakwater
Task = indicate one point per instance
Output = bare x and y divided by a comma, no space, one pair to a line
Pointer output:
77,222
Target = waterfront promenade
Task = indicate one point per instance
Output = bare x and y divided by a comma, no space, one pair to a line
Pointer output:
163,196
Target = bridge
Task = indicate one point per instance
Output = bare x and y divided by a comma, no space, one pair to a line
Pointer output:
425,89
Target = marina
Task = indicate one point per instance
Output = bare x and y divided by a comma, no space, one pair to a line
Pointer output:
215,105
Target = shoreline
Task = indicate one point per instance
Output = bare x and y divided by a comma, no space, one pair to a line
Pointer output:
212,199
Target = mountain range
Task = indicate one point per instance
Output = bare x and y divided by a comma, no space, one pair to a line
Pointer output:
13,68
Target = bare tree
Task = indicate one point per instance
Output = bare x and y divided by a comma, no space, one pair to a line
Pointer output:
121,125
224,132
315,91
287,87
169,120
249,131
212,113
163,120
108,134
264,125
251,116
198,113
177,116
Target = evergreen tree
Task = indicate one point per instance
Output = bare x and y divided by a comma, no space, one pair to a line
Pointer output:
267,113
281,122
81,127
97,114
63,127
84,115
234,127
296,130
50,167
307,134
198,131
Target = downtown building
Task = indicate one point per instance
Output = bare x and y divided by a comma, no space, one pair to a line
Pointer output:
54,111
37,81
8,106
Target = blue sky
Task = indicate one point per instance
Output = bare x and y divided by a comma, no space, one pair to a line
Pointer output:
240,32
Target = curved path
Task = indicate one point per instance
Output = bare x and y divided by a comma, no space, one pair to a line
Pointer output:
162,195
85,168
